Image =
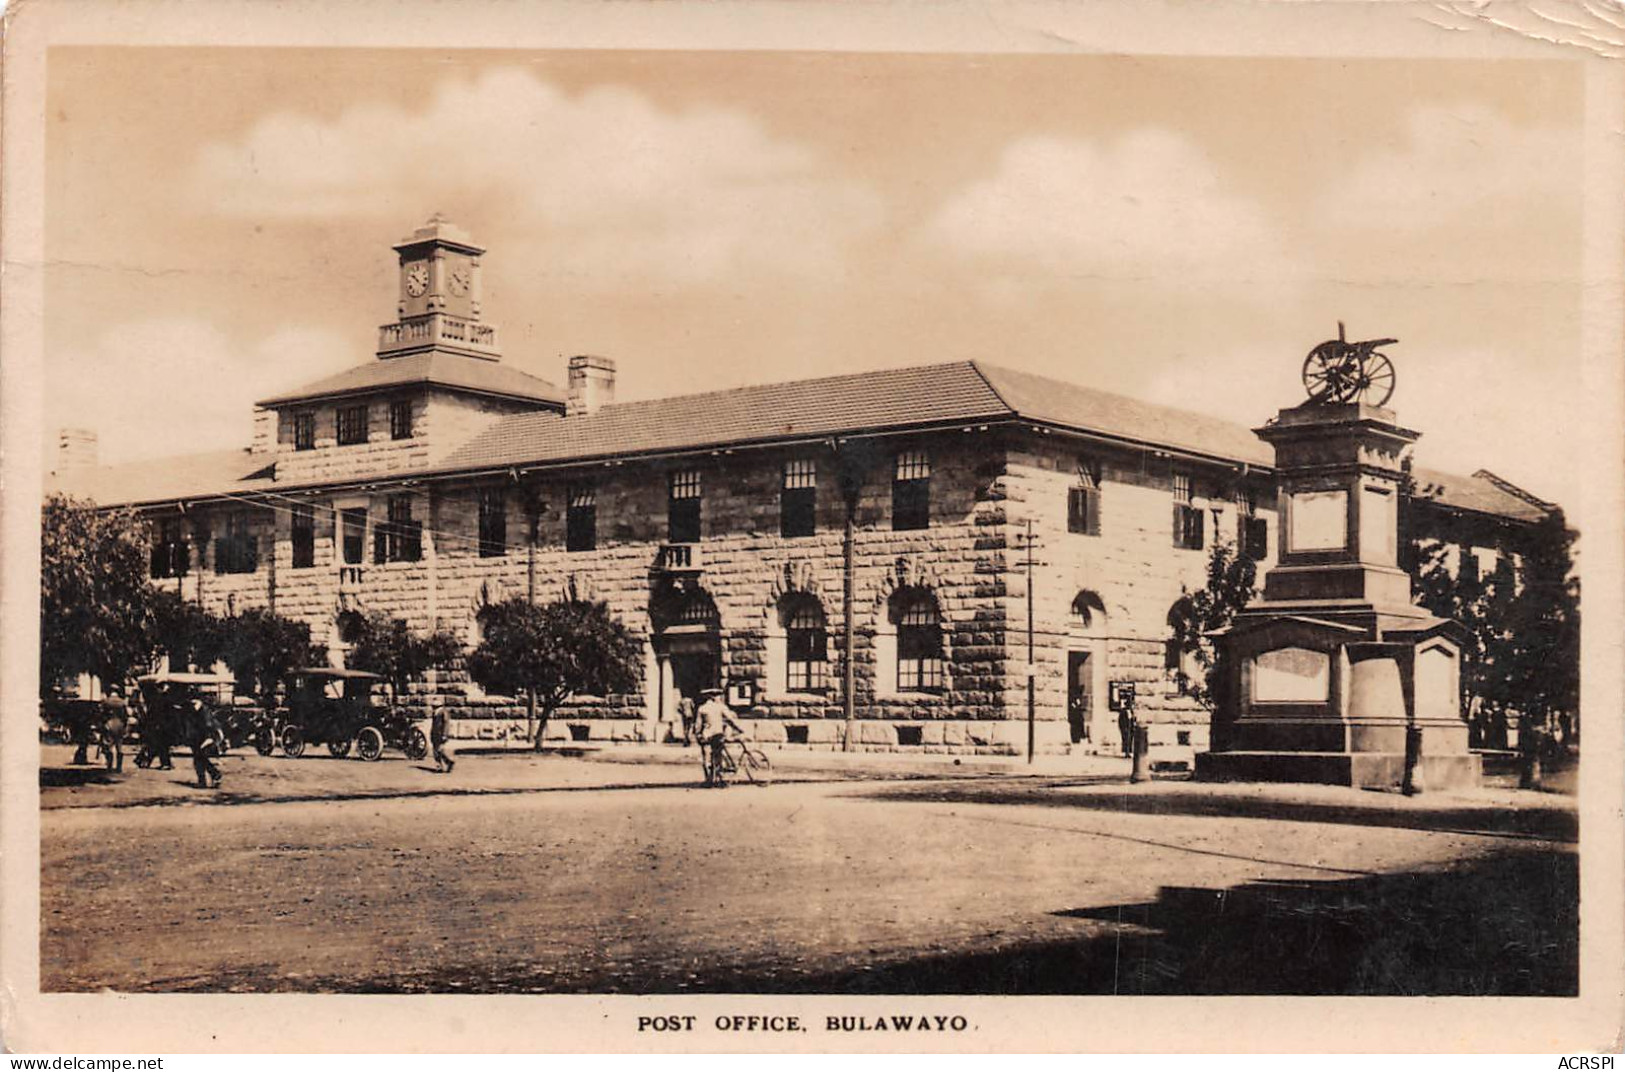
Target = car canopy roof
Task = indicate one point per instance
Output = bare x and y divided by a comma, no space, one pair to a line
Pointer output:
186,679
335,672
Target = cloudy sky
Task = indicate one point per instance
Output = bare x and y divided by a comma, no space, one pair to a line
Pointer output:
1182,230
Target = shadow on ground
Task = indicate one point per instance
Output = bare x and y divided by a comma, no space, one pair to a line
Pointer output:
71,777
1505,924
1541,818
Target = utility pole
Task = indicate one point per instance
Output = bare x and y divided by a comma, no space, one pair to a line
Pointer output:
1032,685
849,671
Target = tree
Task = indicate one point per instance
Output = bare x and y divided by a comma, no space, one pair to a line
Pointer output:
184,631
1483,605
1522,659
262,649
96,604
388,647
1231,578
553,651
1545,670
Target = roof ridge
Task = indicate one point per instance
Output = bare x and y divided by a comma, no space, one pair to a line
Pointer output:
1514,490
804,382
976,367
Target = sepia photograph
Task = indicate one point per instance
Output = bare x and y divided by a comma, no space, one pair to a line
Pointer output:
783,518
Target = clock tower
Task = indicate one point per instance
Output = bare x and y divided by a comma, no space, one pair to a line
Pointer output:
439,306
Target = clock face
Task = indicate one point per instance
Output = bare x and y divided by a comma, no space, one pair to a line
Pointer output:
459,279
417,279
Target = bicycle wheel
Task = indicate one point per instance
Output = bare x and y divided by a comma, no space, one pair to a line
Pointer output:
756,766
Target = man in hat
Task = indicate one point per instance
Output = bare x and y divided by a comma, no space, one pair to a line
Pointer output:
203,733
714,721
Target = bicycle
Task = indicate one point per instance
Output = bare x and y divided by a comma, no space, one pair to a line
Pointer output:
736,756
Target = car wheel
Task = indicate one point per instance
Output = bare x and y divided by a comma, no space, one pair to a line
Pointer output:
369,743
415,744
338,749
265,741
293,742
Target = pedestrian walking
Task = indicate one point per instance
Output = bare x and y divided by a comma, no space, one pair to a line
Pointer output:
115,720
685,714
443,762
82,731
203,733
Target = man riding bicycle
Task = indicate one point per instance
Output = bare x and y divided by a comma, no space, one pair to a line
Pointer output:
715,720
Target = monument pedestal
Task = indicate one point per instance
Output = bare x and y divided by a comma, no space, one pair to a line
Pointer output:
1362,770
1334,666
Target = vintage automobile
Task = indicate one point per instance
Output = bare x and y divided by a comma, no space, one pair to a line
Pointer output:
340,709
165,696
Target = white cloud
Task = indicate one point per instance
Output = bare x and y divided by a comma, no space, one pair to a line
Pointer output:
1460,163
129,387
607,182
1148,206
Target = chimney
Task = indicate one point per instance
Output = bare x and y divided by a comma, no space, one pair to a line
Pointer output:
75,449
592,384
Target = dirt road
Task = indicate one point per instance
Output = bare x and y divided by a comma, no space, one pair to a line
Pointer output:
990,885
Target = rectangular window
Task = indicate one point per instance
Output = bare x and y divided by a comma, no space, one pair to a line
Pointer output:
911,491
683,507
304,537
400,539
400,419
919,648
171,556
236,551
493,523
1252,533
304,431
806,648
581,519
354,524
1083,501
1188,527
352,425
798,501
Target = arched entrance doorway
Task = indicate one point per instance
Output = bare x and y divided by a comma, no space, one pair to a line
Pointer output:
687,642
1085,665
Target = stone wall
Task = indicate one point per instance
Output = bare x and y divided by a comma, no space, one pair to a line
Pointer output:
1132,568
985,486
441,422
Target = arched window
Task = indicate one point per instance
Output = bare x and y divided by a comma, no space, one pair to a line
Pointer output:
919,641
806,639
1088,612
698,611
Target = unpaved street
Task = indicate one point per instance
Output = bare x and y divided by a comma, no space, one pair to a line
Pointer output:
988,883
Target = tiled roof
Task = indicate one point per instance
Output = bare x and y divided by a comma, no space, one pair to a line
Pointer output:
1482,492
438,369
1040,398
892,399
166,479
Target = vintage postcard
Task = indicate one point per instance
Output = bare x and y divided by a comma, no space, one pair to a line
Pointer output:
787,526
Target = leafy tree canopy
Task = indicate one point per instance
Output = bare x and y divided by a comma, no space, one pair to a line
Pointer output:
387,646
262,649
96,606
191,636
553,650
1231,578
